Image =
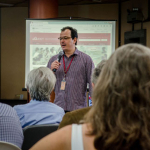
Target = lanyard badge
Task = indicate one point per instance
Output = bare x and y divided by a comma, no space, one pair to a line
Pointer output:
63,82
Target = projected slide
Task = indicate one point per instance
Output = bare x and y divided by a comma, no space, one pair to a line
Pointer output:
95,38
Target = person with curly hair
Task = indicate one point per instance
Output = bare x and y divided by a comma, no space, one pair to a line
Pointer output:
120,116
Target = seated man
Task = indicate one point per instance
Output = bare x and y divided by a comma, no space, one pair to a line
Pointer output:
10,127
77,115
39,110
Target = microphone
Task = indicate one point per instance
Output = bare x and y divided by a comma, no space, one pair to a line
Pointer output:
58,58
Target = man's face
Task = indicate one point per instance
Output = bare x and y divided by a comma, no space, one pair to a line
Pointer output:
66,42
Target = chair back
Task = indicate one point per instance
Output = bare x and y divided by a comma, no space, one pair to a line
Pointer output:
8,146
32,134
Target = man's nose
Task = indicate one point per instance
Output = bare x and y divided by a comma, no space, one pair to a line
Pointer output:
62,39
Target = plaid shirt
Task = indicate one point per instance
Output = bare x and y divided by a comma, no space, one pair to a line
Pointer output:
78,75
10,127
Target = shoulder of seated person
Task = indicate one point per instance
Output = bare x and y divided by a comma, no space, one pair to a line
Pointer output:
66,132
82,110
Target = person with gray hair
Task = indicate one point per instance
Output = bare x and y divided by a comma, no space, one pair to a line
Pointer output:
96,72
39,110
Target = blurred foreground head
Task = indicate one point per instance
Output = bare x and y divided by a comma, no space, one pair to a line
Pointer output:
40,83
120,115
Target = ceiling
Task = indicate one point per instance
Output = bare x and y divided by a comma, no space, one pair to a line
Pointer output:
24,3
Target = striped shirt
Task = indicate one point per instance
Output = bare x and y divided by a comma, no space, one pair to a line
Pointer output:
10,127
78,75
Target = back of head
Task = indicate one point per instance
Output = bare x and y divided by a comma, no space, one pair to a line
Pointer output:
120,115
96,72
40,83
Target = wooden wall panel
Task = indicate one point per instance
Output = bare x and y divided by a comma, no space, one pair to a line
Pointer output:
13,52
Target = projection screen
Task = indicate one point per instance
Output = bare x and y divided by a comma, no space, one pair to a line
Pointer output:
95,38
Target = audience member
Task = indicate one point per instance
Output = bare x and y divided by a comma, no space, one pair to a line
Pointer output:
77,115
39,110
73,117
10,127
120,116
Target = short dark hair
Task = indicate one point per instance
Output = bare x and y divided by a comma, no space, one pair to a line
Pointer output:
74,32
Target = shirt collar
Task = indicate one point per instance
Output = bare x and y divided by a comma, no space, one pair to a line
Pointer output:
76,52
34,100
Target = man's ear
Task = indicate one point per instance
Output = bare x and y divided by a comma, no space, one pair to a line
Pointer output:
74,40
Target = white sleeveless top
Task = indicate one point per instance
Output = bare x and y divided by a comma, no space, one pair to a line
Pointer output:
76,137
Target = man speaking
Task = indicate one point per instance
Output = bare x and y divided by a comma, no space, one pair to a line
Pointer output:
73,71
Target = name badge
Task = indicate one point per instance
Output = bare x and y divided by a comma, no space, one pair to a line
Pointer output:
63,84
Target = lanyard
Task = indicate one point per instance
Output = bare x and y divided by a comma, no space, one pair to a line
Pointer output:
65,71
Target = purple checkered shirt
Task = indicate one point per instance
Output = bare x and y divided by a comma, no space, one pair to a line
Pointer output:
10,127
78,75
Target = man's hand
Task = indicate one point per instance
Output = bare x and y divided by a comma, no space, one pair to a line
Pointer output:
55,65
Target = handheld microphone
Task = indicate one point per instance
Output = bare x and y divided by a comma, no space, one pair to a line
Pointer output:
58,58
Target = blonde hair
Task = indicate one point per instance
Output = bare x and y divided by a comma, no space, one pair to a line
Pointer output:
120,115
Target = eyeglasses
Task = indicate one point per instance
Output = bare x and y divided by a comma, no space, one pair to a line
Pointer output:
64,38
